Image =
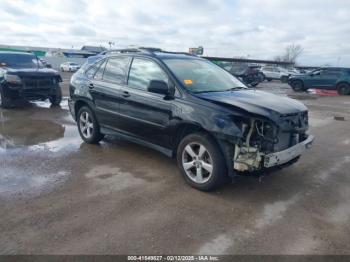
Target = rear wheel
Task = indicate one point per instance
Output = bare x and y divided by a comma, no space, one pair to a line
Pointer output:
343,89
284,79
4,101
201,162
297,85
88,126
56,99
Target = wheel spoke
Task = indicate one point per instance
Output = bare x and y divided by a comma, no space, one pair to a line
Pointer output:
202,150
82,118
207,166
88,132
199,175
190,151
188,165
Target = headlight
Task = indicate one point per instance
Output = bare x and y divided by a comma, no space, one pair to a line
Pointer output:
13,79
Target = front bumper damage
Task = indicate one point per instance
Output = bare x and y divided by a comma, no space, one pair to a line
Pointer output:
250,159
287,155
287,147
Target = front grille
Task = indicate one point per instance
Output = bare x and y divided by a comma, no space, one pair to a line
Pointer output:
38,82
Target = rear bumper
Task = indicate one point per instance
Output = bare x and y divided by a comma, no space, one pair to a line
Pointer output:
282,157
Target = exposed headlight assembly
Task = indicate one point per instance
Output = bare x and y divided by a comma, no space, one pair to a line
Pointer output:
13,79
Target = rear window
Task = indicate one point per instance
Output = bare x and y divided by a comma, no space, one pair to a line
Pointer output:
20,61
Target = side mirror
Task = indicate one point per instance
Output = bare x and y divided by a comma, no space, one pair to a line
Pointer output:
158,87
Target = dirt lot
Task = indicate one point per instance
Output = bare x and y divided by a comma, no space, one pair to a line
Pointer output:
61,196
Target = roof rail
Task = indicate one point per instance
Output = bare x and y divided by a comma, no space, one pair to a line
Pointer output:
148,50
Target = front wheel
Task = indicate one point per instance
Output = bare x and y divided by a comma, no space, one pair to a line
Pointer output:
284,79
88,126
297,86
56,99
343,89
4,101
201,162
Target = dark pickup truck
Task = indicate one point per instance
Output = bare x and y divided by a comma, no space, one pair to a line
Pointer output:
22,75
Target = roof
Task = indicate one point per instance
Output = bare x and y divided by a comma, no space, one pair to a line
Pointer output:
16,52
94,49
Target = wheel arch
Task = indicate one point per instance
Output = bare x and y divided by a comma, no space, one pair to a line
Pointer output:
79,104
226,147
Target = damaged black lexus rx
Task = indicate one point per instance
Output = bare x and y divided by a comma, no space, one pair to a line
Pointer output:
189,109
23,76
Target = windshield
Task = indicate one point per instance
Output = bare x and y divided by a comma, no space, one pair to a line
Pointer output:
20,61
202,75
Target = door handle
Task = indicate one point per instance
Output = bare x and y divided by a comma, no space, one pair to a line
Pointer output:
126,94
91,85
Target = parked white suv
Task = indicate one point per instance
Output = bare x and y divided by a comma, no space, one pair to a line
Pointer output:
277,73
69,66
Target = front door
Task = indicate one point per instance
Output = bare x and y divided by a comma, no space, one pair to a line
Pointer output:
144,114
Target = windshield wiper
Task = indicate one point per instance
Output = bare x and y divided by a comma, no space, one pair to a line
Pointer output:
236,88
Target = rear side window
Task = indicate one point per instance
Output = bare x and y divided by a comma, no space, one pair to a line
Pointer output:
331,71
99,73
116,70
93,69
143,71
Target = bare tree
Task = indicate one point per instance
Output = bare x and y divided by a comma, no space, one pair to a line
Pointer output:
291,54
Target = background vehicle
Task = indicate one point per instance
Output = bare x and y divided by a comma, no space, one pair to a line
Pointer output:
250,75
45,63
331,78
275,73
22,75
189,108
69,67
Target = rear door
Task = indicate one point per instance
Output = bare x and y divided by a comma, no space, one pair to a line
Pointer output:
105,89
144,114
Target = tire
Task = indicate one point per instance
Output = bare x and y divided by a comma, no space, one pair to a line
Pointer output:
343,89
269,79
201,162
261,77
88,127
5,102
298,86
56,99
284,79
62,69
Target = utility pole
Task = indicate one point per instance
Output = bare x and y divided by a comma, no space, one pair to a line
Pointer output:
110,43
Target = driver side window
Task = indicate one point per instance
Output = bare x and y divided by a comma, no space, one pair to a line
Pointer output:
143,71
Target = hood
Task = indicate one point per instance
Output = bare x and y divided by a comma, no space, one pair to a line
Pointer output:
32,71
256,102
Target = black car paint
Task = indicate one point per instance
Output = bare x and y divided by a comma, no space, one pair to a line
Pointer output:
158,121
37,83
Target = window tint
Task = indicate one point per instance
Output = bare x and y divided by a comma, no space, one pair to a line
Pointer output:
98,75
143,71
116,70
331,71
92,70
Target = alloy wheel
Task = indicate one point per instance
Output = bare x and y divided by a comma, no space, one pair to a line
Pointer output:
197,163
86,125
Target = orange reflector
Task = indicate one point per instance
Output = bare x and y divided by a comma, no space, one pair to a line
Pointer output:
188,82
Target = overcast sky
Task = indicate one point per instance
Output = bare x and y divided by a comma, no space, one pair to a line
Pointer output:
233,28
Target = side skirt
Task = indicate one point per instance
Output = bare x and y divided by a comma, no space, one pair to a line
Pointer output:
165,151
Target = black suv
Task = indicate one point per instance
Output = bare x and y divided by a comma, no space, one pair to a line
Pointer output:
22,75
188,108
